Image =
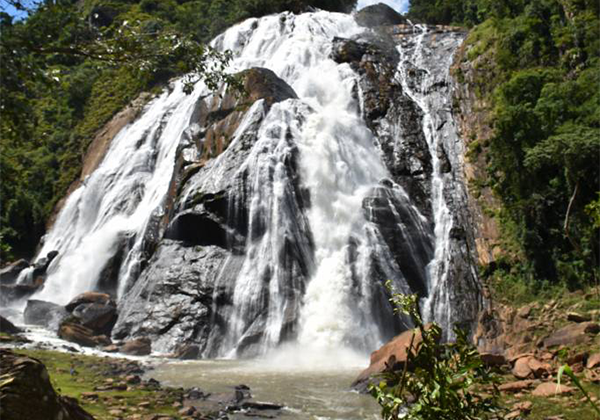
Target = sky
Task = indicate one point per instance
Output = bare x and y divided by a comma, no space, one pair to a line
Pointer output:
400,5
7,8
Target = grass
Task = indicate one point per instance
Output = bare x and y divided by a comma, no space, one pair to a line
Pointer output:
570,407
93,371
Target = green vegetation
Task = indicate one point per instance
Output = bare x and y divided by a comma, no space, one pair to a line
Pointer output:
537,65
94,371
439,380
566,369
70,66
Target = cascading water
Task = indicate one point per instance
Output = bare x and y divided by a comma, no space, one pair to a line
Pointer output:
431,91
288,234
118,199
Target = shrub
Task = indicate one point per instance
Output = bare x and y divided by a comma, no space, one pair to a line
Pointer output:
440,381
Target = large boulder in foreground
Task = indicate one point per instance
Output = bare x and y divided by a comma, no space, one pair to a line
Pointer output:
392,356
26,392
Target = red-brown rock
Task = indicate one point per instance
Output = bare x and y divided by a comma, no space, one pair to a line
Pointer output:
138,347
88,297
516,386
81,335
548,389
593,361
538,368
521,370
572,334
392,356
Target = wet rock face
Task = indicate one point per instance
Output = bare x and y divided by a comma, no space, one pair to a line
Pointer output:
10,273
46,314
185,296
33,279
218,216
26,392
390,113
378,15
173,303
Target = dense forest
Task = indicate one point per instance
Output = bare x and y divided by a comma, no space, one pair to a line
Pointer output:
541,76
71,65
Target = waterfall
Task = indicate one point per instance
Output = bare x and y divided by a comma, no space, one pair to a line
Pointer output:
314,220
431,91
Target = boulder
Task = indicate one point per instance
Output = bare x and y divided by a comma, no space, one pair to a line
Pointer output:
112,348
75,333
539,369
138,347
8,327
26,392
10,273
347,50
593,361
549,389
262,83
101,318
46,314
378,15
492,359
521,369
89,297
516,386
187,352
575,317
392,356
572,334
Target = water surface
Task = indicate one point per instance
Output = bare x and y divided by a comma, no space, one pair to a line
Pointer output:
309,388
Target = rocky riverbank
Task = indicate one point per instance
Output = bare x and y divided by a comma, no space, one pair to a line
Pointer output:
85,387
525,346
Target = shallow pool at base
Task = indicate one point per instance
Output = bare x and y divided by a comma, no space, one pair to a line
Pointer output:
307,393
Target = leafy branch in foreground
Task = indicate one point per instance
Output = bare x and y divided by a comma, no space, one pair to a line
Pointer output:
441,381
